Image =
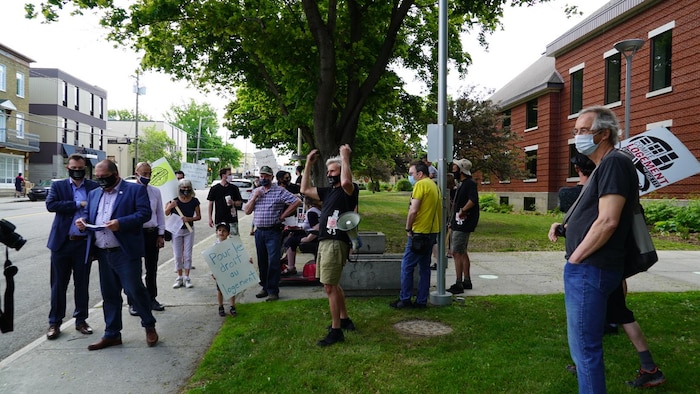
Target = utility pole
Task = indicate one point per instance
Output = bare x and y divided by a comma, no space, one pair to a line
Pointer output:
139,90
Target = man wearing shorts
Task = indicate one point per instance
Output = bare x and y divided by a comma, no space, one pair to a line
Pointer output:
463,222
334,245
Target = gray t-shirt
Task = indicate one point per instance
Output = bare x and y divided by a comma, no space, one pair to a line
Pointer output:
615,175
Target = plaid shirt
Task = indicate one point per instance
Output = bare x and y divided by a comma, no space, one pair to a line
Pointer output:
270,206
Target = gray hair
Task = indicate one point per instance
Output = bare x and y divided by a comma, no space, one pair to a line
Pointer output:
184,182
605,119
335,160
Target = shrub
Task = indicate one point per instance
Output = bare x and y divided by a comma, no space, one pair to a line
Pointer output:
489,203
403,185
658,211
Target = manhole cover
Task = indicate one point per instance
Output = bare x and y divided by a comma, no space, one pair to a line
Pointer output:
422,328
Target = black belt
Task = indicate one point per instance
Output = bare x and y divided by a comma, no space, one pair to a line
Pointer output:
277,227
77,237
150,229
109,250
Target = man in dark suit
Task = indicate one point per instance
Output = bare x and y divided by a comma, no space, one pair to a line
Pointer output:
68,199
117,212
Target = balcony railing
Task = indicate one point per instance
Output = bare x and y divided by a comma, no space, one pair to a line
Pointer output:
9,140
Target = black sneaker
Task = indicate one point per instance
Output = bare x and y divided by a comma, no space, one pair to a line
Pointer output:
345,324
334,335
221,311
456,288
232,311
646,379
401,304
467,284
261,294
417,305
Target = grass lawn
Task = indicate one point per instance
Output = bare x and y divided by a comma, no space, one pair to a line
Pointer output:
498,344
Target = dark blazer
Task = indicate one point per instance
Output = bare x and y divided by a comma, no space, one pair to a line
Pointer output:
60,200
132,209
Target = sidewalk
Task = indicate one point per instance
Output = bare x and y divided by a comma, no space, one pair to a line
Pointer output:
190,322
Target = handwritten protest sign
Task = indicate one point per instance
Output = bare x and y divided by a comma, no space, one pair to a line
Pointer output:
228,262
660,158
266,157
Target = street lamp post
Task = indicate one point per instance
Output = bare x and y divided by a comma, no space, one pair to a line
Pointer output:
628,48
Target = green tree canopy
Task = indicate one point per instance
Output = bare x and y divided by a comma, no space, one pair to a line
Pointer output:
155,144
126,114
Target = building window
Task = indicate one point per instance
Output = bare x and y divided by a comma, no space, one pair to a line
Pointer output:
531,115
613,65
77,98
531,162
505,123
529,204
661,61
10,165
92,137
3,128
3,78
64,139
102,108
77,133
20,84
92,104
19,124
572,153
102,139
576,83
503,200
65,94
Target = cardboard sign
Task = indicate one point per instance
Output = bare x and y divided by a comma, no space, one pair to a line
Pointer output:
660,158
196,173
229,263
163,177
267,157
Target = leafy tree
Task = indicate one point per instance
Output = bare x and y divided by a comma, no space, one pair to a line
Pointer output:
155,144
299,64
200,122
126,114
480,137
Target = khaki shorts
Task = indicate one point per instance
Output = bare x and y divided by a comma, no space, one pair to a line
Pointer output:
459,242
330,260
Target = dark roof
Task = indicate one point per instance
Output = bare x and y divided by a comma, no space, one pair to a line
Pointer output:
541,77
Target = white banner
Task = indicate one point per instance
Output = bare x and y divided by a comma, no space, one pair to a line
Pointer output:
267,157
163,177
230,265
660,158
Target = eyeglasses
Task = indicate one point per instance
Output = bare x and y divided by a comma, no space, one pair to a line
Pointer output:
584,130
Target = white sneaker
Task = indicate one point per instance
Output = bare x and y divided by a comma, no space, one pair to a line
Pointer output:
188,283
178,283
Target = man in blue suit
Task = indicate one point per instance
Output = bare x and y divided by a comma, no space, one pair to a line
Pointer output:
117,212
68,199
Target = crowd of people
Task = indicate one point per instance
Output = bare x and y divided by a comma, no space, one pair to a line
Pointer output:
117,223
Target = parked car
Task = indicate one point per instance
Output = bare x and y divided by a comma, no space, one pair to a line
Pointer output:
130,178
245,186
41,190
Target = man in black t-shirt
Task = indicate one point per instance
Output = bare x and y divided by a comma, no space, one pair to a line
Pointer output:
463,222
224,200
334,244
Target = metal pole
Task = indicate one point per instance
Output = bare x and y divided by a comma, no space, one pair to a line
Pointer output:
199,137
136,137
439,297
628,83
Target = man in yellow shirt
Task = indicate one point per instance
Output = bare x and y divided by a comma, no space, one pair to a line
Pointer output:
422,227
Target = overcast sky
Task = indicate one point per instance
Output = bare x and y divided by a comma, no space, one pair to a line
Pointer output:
76,45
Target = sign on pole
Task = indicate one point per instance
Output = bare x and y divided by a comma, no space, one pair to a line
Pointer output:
230,265
660,158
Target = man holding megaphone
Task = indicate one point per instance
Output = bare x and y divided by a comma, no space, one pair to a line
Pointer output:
334,244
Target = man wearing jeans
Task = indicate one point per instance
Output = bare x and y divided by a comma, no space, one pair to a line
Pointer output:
424,219
271,204
596,230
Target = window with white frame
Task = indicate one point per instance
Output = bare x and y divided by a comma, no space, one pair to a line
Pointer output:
531,114
20,84
10,166
613,66
576,85
661,50
19,124
3,78
531,161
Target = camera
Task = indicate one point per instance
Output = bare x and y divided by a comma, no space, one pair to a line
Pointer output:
9,237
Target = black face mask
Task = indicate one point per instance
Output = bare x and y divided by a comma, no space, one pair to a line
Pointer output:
185,192
332,180
456,174
107,181
76,174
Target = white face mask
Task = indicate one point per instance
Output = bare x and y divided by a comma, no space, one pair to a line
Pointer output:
229,178
585,144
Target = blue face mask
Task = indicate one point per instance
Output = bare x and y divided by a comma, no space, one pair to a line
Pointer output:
412,179
265,182
585,144
144,180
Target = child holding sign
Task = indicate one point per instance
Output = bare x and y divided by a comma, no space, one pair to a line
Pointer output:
222,232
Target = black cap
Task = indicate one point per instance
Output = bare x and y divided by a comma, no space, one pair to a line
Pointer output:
583,162
224,225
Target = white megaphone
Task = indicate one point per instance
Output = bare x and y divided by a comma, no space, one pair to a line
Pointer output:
348,222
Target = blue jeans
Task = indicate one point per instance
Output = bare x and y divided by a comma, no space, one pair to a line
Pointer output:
268,245
117,271
408,264
586,291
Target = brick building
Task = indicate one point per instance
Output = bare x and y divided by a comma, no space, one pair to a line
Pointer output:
580,69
